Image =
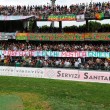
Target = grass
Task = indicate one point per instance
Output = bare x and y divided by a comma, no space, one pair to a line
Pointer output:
47,94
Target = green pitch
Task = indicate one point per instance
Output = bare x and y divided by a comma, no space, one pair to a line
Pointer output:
46,94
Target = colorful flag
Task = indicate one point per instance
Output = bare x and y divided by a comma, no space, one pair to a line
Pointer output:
99,16
41,17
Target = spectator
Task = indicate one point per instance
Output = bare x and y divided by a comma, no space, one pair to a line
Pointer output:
76,64
88,9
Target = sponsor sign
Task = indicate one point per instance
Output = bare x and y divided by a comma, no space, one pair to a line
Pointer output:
60,74
64,74
7,71
78,75
95,76
21,72
29,72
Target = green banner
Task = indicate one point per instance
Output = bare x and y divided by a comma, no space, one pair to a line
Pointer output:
64,36
70,17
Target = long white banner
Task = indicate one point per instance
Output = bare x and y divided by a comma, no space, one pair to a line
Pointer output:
7,18
76,54
60,74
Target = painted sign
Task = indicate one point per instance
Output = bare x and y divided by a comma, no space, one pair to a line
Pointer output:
63,36
69,17
74,54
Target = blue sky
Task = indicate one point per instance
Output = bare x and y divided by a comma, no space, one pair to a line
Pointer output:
42,2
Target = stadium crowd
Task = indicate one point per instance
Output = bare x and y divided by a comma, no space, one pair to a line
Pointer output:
73,63
45,10
55,46
76,63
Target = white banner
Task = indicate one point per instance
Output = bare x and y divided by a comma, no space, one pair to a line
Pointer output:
60,74
7,18
78,75
22,72
63,74
80,18
74,54
95,76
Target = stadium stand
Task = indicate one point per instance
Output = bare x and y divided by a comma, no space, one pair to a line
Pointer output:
49,48
88,9
55,46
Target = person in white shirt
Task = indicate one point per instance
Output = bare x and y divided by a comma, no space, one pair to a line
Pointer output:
57,63
67,64
106,65
79,59
2,58
76,64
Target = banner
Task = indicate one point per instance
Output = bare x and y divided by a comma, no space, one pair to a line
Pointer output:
8,18
78,75
17,53
70,17
98,54
21,72
50,37
94,76
64,36
60,74
74,54
80,18
99,16
44,53
22,36
6,36
47,53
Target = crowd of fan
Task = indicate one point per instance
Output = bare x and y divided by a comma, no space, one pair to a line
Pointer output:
45,10
39,62
55,46
76,63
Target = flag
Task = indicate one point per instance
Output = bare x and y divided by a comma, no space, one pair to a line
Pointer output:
41,17
80,18
99,16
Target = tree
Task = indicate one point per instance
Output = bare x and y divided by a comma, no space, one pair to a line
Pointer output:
94,26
